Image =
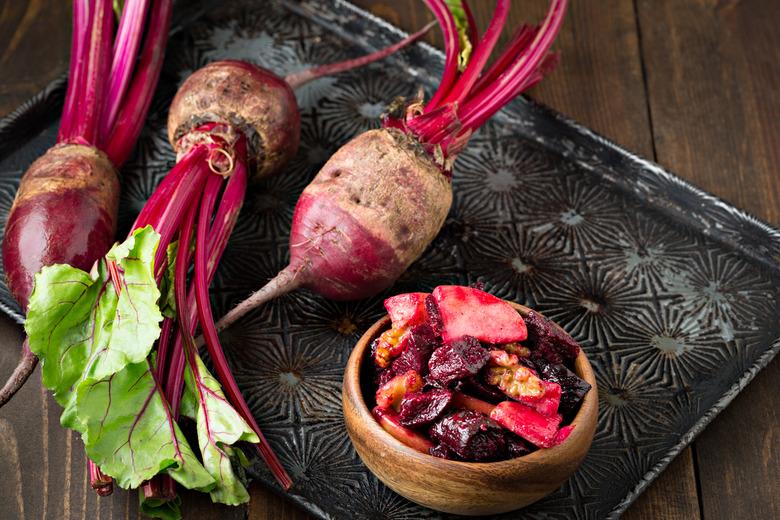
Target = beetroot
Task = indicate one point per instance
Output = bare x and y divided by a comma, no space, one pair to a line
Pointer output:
422,342
549,342
256,103
381,198
418,408
71,191
65,209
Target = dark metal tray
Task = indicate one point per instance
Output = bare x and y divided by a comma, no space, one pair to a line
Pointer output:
672,292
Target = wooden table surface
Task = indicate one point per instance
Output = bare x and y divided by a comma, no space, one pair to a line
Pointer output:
691,84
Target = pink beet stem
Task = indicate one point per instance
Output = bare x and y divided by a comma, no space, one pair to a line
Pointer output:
91,95
126,44
451,46
173,378
520,38
501,91
129,121
457,94
78,60
218,356
305,76
100,482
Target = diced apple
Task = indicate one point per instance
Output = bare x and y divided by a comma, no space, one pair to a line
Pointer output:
526,422
462,400
388,419
562,434
550,400
407,309
470,311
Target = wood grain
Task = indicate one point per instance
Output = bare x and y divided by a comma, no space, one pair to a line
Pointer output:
34,48
692,84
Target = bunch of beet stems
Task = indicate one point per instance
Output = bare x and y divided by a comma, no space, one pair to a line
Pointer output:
66,207
381,199
198,202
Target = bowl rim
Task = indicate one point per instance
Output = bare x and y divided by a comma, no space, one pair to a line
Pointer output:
352,391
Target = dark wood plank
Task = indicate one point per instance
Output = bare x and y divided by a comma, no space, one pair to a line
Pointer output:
34,48
672,496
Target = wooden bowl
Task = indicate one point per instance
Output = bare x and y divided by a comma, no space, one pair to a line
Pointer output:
464,488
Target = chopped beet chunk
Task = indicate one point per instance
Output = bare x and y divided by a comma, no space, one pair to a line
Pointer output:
457,359
418,408
473,436
443,452
480,286
434,316
516,446
422,342
573,388
548,341
383,375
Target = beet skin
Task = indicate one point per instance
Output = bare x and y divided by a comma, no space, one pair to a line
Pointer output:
64,213
368,214
254,100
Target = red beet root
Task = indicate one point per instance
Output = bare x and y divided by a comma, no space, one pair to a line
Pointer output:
65,210
471,435
382,198
254,101
71,191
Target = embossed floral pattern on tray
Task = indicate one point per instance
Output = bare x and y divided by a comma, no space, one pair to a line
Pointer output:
672,292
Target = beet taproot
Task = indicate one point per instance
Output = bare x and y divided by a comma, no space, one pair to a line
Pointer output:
64,213
255,101
65,210
379,201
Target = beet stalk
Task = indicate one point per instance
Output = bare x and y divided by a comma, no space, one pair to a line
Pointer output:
379,201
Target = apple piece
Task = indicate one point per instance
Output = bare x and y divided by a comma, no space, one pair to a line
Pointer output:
549,402
462,400
465,310
407,309
562,434
389,420
529,424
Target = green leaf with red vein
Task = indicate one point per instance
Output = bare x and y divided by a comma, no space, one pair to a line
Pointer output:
94,341
80,327
131,434
219,426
